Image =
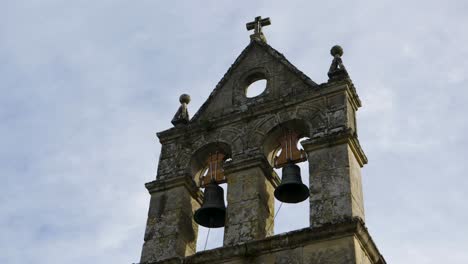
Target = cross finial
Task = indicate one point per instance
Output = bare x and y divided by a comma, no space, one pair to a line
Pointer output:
257,25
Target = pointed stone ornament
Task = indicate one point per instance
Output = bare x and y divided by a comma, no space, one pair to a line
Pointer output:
257,25
337,69
182,116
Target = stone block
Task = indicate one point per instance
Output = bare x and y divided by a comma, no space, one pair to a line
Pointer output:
337,251
330,183
336,101
328,158
247,210
163,248
242,232
246,185
334,209
294,256
164,202
168,150
165,166
337,118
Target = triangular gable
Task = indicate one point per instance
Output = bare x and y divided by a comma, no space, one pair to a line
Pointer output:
257,56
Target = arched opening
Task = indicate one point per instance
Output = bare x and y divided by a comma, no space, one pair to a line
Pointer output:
292,216
207,166
209,238
289,216
198,162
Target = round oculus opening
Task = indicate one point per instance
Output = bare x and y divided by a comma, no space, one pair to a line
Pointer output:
256,88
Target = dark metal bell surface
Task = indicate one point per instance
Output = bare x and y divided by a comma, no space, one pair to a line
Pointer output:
291,189
212,214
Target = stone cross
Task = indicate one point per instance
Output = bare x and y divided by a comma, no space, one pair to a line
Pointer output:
257,24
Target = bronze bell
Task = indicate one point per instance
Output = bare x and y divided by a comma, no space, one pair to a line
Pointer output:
212,214
291,189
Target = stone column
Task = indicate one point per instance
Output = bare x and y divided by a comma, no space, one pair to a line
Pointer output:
250,200
170,228
335,163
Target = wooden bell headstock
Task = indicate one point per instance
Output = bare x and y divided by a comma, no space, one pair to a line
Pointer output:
214,171
289,150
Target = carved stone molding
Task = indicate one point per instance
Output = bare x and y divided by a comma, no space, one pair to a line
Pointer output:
249,162
182,180
333,139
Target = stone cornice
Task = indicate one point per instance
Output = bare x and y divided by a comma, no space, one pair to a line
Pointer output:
167,184
275,106
253,162
333,139
289,240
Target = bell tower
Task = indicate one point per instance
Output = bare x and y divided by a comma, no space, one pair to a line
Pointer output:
236,140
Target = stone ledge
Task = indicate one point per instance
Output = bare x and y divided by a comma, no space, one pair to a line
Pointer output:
286,241
252,162
337,138
167,184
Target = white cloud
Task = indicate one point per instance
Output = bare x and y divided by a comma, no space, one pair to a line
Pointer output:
85,85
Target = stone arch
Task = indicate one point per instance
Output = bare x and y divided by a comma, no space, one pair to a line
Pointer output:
316,117
310,119
234,138
259,129
270,143
270,149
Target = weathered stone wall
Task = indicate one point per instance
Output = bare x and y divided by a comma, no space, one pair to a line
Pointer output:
342,243
170,228
250,200
323,111
335,182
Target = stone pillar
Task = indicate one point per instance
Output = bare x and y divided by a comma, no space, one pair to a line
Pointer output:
250,200
335,163
170,228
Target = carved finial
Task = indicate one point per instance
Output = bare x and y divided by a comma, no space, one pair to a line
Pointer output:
182,115
336,51
257,25
184,99
337,69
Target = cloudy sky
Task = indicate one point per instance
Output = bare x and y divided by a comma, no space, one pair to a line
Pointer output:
86,84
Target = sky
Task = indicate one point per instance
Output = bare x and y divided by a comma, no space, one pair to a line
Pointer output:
85,85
